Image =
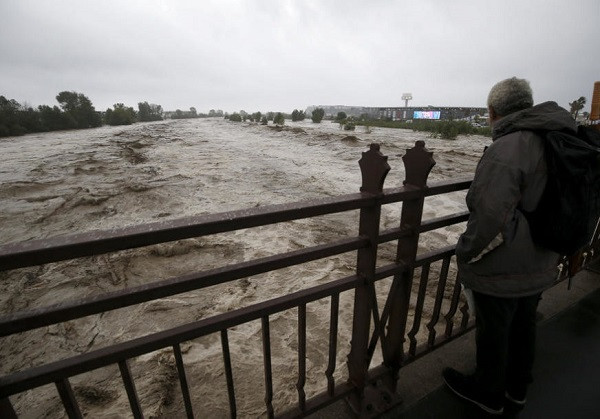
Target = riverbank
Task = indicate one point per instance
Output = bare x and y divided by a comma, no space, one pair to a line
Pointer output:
448,130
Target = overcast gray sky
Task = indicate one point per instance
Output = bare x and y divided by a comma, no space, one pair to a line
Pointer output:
282,54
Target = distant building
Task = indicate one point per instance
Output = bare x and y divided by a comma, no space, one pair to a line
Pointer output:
429,112
405,113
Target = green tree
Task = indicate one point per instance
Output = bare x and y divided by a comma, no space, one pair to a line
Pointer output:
298,115
278,119
257,116
317,115
149,112
264,120
179,114
156,112
9,121
17,119
120,115
52,118
576,106
235,117
80,109
341,116
213,113
29,119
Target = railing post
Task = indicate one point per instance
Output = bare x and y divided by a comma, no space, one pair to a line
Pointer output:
418,162
374,168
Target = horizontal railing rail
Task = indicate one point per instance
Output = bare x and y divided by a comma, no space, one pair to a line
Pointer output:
31,319
52,372
37,252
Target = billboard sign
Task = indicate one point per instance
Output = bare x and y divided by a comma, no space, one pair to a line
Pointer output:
426,115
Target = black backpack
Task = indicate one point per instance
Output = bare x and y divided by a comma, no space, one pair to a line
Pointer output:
566,217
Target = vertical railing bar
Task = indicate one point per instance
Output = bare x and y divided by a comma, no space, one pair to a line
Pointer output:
301,357
333,332
228,373
384,317
452,310
266,338
419,309
375,337
68,398
183,381
439,298
6,409
130,388
404,290
464,309
378,326
382,321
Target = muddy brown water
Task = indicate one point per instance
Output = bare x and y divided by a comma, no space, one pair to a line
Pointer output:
74,181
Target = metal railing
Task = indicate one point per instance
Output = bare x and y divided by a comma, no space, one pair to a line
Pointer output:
368,390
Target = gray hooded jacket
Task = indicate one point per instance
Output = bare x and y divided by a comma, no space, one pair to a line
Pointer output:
510,177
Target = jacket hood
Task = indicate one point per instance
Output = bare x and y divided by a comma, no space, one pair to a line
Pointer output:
547,116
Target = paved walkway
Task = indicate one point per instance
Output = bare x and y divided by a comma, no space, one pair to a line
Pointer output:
566,373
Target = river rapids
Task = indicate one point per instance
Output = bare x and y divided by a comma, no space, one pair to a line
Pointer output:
75,181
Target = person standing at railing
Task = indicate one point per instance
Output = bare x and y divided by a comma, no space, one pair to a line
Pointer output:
497,259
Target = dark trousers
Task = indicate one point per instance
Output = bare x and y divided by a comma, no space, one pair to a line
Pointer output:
505,338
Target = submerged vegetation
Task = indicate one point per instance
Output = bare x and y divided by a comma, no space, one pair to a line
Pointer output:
298,115
317,115
279,119
446,129
439,129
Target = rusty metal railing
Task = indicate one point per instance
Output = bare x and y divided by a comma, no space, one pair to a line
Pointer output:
389,327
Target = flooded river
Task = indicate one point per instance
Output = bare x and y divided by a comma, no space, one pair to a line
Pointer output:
76,181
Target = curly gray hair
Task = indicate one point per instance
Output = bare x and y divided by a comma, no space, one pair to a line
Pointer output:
510,95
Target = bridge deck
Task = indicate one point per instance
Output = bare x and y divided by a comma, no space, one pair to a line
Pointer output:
566,373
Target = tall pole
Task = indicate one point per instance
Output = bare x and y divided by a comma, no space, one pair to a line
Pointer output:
406,97
595,112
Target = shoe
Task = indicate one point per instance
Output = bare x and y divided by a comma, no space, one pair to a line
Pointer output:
467,388
517,397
